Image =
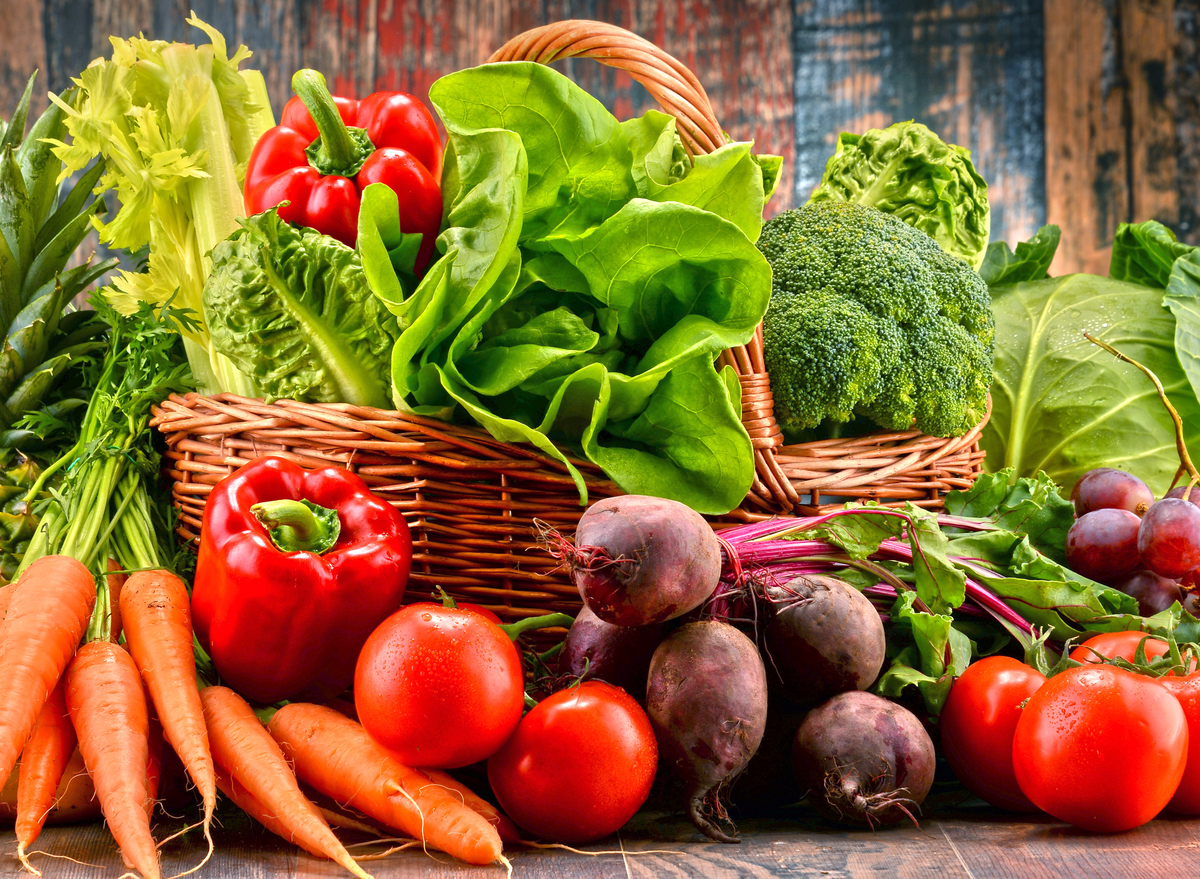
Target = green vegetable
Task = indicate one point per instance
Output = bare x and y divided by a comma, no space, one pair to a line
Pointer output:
1062,405
292,309
907,171
869,316
38,235
175,124
1030,262
591,274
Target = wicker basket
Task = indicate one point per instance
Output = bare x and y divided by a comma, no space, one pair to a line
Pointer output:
471,499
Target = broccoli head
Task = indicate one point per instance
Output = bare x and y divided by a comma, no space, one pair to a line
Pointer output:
869,316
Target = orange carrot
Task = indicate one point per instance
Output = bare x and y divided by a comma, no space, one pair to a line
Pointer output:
116,582
46,618
246,801
336,756
43,762
74,801
243,748
158,633
507,830
6,595
108,708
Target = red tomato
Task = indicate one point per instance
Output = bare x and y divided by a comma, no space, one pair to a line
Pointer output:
978,722
1122,644
479,609
1187,690
1101,747
441,687
579,766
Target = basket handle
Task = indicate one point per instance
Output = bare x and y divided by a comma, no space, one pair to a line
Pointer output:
679,93
668,80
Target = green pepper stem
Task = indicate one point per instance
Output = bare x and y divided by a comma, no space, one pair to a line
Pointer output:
339,152
520,627
298,526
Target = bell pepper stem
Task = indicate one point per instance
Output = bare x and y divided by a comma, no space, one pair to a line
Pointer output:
298,525
340,151
520,627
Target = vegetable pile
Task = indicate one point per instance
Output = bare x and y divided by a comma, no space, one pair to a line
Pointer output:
568,281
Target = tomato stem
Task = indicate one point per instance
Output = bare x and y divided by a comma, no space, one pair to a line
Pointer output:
529,624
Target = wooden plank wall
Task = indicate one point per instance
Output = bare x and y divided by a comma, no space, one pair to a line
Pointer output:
1082,112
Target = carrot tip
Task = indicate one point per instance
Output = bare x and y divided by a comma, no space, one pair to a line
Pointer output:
508,868
23,856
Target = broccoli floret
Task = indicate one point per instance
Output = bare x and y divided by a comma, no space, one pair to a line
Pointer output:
869,316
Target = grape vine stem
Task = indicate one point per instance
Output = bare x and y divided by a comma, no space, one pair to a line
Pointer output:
1185,460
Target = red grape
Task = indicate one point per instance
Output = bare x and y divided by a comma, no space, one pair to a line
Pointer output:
1169,539
1107,489
1178,490
1103,544
1153,593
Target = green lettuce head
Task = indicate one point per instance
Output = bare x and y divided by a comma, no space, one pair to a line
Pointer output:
908,171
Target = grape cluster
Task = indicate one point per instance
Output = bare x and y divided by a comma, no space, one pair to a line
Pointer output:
1124,538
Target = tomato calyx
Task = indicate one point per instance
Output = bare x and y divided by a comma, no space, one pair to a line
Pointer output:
1153,655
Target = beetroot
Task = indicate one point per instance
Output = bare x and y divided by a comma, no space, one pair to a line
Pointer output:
863,759
639,560
707,700
619,655
824,638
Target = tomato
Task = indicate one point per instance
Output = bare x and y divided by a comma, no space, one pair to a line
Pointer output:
1187,690
441,687
1122,644
977,725
1101,747
579,766
479,609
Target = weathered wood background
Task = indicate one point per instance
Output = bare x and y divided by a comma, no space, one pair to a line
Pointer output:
1078,112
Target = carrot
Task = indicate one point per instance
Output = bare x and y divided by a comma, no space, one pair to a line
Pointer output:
247,802
74,801
158,633
243,748
336,756
6,595
43,762
108,708
46,618
507,830
116,582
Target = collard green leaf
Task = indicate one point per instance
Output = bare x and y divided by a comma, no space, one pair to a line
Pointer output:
908,171
1063,405
1030,262
292,308
1183,299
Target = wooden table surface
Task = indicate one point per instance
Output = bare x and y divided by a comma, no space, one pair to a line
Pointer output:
972,843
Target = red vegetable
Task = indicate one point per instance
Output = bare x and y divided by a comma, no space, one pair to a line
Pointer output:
327,149
978,722
1101,747
296,568
1186,690
439,686
579,765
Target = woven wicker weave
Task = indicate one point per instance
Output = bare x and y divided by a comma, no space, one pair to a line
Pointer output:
471,499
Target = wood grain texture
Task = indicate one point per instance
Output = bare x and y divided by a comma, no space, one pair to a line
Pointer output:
964,844
969,69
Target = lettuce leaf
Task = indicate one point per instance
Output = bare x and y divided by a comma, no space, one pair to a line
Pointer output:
591,274
292,309
1030,262
908,171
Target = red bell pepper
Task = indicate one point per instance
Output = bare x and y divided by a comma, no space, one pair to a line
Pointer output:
326,149
296,568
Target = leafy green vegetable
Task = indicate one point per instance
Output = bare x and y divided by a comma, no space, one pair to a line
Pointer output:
175,124
908,171
1028,506
1063,405
1030,262
293,310
591,274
